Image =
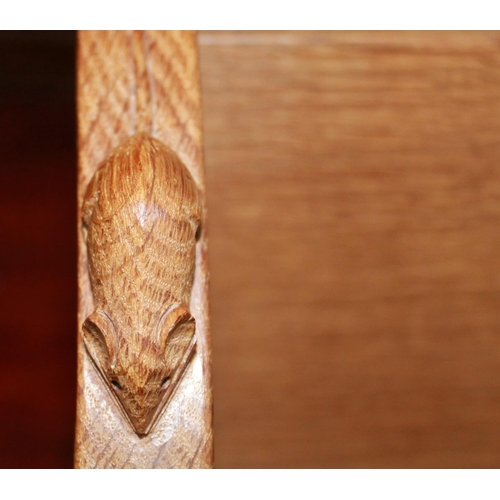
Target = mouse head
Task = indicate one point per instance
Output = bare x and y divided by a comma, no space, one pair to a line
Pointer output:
141,369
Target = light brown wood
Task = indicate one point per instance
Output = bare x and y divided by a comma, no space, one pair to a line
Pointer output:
144,379
353,183
141,214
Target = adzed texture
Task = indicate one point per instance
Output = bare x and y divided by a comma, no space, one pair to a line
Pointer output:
136,88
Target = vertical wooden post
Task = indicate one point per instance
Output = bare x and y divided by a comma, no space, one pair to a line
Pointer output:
147,82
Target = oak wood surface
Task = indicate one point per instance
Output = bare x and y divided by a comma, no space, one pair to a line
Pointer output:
130,82
353,184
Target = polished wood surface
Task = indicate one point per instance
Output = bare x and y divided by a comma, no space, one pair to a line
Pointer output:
353,185
143,83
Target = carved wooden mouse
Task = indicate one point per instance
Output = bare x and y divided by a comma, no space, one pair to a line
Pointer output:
141,214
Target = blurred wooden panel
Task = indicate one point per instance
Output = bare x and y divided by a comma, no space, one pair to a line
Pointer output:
354,200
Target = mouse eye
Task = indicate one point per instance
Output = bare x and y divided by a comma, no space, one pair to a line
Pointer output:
116,385
165,382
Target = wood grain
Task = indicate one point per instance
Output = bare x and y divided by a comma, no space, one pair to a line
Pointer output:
148,83
140,217
353,183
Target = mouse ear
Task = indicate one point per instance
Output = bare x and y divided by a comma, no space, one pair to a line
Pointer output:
100,339
177,328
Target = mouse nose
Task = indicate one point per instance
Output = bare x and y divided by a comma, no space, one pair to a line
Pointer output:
141,409
141,427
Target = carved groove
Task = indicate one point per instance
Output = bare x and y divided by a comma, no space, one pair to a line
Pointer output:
141,215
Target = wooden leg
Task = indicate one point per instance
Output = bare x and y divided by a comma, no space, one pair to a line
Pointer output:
143,324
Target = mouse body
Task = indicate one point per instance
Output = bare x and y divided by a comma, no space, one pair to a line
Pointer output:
141,215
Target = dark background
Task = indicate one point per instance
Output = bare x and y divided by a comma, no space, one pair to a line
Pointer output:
37,248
